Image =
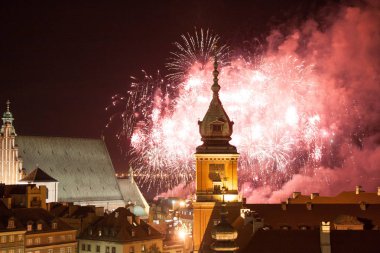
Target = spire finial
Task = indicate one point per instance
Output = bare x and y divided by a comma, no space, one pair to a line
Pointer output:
8,105
215,86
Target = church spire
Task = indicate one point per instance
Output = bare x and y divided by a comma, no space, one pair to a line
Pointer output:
7,115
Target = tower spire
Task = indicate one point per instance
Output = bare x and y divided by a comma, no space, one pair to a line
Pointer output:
7,115
215,86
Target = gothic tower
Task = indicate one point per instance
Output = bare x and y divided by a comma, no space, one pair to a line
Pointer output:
216,165
10,164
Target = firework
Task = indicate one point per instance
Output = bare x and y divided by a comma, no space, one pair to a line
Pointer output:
278,127
195,51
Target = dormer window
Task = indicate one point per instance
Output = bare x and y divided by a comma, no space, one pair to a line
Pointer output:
29,226
133,233
100,233
11,223
39,226
54,225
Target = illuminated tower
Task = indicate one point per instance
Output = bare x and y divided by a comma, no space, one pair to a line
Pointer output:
216,165
10,163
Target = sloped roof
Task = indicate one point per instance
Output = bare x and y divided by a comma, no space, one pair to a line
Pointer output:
82,166
38,175
131,192
346,197
116,227
26,215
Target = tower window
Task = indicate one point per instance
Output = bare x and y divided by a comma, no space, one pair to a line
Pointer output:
216,128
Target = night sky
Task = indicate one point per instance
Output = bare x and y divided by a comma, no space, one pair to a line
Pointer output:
61,61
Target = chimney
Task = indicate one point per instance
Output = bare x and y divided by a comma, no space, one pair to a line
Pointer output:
129,218
296,194
313,195
308,206
363,206
283,206
358,189
137,219
325,237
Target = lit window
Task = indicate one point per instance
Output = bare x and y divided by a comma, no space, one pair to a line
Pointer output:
11,238
37,240
68,249
54,225
11,223
19,251
50,251
29,241
133,233
62,250
50,239
19,238
100,232
143,248
131,249
11,251
3,239
29,227
39,226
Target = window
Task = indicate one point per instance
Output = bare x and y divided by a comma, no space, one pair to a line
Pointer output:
39,226
107,249
62,250
113,249
19,238
19,251
11,251
131,249
11,238
29,227
68,249
50,251
97,248
143,248
37,240
88,247
29,241
11,223
133,233
50,239
3,239
216,128
83,246
69,237
54,225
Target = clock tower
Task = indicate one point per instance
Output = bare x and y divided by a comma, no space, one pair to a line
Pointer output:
216,165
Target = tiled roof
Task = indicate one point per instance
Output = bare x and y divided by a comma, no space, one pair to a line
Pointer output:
297,215
346,197
5,215
298,241
37,176
27,215
117,228
82,166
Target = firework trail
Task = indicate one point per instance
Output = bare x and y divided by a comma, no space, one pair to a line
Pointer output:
195,51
